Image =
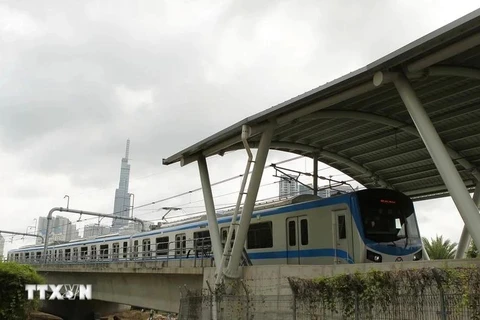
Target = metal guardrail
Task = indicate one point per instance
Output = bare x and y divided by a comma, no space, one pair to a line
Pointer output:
197,251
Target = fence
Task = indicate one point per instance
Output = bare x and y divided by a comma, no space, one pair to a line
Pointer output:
191,253
427,307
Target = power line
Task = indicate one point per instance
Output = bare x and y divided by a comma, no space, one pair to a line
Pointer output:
190,192
185,193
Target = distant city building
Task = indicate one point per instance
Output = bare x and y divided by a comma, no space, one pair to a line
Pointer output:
95,230
325,191
61,230
2,243
121,206
288,186
72,232
135,227
305,190
41,228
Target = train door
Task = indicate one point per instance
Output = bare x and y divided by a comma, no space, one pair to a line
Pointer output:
342,236
297,239
180,244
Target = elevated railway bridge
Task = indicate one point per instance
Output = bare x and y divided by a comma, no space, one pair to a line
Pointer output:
409,122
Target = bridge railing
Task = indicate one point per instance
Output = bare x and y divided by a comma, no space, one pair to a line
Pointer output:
183,253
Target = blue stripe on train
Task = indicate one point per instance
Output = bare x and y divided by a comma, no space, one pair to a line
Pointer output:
308,253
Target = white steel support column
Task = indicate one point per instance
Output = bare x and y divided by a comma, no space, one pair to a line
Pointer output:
465,238
210,207
315,174
459,193
232,269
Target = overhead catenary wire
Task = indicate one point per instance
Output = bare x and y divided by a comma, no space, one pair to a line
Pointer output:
192,191
184,193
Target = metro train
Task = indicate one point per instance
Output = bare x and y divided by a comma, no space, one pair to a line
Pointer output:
372,225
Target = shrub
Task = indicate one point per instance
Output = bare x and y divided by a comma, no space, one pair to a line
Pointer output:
13,297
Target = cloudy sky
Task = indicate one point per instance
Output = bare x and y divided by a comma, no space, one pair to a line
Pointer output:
80,77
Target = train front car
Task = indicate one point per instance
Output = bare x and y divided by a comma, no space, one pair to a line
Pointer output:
388,226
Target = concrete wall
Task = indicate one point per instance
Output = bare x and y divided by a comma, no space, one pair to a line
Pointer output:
155,290
273,280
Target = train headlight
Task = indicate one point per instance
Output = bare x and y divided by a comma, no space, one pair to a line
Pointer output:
375,257
418,256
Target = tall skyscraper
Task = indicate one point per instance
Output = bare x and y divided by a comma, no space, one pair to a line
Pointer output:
121,206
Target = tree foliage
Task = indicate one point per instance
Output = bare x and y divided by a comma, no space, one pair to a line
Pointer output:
472,251
383,292
439,248
13,297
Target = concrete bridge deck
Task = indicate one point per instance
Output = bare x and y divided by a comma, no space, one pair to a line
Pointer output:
142,284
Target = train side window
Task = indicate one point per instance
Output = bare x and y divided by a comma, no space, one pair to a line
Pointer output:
225,235
60,254
125,249
67,254
304,231
104,251
260,235
83,253
342,231
27,255
39,256
292,233
202,241
94,252
162,246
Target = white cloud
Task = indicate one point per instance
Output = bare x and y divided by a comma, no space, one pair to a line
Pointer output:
80,78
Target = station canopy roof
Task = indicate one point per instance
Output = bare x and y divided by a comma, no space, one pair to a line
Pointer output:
366,131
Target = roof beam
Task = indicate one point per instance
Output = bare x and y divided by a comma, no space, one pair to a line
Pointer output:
441,71
327,102
442,188
219,147
395,124
445,53
311,150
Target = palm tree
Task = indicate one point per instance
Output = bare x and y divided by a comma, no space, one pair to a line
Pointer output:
472,250
439,248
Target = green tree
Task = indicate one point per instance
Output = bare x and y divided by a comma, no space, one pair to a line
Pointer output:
14,304
440,249
472,250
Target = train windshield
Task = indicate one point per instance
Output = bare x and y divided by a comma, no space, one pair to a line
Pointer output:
387,216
